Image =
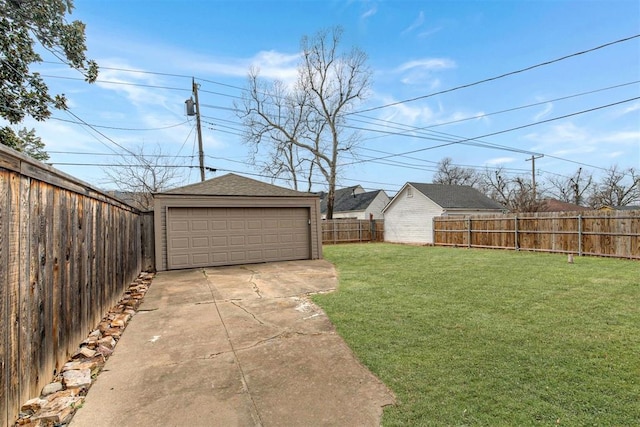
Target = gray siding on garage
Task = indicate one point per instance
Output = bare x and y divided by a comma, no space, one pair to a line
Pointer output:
232,219
202,237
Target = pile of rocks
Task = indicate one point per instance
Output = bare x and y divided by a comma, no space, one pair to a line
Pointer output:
59,400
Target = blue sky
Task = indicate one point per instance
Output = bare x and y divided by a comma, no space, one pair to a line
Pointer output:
415,49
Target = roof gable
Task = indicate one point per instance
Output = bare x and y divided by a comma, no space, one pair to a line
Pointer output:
456,196
235,185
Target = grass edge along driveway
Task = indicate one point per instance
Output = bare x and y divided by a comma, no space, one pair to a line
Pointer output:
489,337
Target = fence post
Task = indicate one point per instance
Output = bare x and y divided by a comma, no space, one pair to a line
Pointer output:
333,228
580,235
469,232
372,230
515,228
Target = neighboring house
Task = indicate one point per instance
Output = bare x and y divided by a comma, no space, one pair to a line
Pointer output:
554,205
232,219
354,202
408,218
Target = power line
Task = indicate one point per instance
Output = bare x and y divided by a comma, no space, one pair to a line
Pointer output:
103,135
542,64
505,131
121,128
503,111
123,165
84,153
111,82
158,73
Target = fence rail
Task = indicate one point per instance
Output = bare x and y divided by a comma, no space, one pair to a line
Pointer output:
67,253
598,233
352,230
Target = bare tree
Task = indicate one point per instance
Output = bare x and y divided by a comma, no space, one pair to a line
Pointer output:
303,128
277,116
573,189
450,174
617,188
147,173
515,194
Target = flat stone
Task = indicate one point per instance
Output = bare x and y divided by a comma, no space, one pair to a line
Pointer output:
91,363
120,320
59,411
107,341
84,352
77,378
105,351
33,405
51,388
112,332
70,392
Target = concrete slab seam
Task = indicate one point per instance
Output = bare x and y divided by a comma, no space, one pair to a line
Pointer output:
254,408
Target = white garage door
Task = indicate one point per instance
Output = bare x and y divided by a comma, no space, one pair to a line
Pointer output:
203,237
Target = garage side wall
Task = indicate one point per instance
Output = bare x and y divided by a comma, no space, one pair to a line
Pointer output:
164,202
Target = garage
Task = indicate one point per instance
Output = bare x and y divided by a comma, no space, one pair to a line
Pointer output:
233,220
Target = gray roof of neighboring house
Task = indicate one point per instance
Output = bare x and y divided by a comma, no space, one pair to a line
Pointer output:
456,196
235,185
346,201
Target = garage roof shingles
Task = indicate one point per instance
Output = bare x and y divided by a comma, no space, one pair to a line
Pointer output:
235,185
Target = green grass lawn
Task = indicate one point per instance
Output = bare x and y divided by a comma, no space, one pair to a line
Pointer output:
490,337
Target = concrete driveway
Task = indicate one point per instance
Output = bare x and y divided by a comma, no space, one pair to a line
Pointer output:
235,346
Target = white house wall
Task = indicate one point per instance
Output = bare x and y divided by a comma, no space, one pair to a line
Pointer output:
410,219
376,206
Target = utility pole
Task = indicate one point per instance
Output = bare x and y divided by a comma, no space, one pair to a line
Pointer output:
199,128
533,173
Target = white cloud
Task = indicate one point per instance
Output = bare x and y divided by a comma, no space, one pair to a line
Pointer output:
559,133
427,64
407,114
369,12
415,24
621,137
500,161
544,113
275,65
631,108
429,32
420,72
568,139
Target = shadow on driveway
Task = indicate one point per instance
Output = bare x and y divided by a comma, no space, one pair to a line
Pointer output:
239,346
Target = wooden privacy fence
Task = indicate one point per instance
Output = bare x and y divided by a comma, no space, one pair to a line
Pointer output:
599,233
67,253
352,230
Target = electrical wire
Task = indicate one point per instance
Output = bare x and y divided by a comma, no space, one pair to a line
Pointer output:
481,116
111,82
121,128
505,131
522,70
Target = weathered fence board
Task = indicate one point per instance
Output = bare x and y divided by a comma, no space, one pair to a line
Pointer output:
67,253
352,230
599,233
